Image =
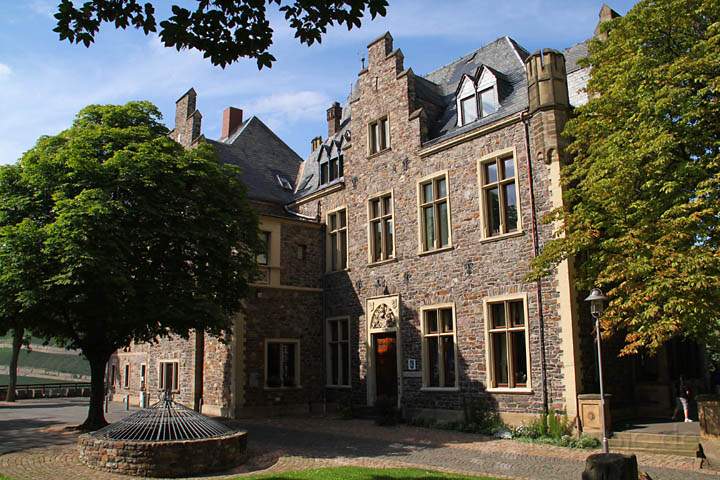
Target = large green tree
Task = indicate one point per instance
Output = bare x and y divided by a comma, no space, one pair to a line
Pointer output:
137,238
223,30
642,191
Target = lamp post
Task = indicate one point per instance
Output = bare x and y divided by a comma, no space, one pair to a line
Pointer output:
597,304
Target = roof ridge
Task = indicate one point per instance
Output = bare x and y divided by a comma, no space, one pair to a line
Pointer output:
513,43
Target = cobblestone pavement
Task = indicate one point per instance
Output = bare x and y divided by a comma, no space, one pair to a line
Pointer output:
299,443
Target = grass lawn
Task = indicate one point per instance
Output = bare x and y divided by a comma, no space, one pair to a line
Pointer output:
357,473
65,363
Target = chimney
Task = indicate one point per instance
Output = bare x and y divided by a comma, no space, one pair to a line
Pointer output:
334,114
315,143
231,121
187,120
606,14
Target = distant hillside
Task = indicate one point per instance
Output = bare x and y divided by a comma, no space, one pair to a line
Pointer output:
45,363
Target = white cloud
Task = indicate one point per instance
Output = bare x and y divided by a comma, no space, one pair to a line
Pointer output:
5,71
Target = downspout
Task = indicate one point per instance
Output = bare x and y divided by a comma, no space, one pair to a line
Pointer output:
536,250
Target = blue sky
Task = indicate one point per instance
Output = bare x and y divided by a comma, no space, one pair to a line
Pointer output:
44,82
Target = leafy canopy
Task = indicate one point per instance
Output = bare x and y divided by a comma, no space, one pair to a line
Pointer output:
118,234
642,193
223,30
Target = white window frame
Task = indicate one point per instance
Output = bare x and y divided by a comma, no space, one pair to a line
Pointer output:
328,234
328,342
425,354
489,355
383,218
487,81
294,341
484,212
421,218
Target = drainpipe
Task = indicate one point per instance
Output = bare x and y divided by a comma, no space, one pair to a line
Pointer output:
536,249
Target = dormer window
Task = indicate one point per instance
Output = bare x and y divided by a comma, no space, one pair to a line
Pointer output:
331,170
284,182
477,96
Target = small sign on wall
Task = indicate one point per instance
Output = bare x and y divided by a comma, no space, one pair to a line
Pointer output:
411,364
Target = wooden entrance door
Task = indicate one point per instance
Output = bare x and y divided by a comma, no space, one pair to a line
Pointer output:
385,345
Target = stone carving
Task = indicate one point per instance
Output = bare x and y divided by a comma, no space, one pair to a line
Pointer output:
383,317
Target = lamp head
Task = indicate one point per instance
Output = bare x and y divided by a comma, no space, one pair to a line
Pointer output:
597,301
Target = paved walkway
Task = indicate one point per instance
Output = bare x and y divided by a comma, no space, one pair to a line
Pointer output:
36,446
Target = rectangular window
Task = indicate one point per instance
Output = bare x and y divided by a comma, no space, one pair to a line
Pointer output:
382,243
126,376
338,352
499,196
324,173
143,371
379,135
169,376
434,214
468,109
488,103
507,328
337,240
439,363
112,374
282,362
263,257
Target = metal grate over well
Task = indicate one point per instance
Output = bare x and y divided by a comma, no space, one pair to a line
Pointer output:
165,420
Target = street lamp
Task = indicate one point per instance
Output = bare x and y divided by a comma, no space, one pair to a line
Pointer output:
597,304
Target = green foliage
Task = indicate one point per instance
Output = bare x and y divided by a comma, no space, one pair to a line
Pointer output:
479,418
223,31
554,429
642,193
114,233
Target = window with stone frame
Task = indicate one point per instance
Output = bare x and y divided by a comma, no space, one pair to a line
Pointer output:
337,240
338,352
499,195
169,375
126,376
378,135
439,350
143,373
381,227
507,343
263,257
113,374
434,213
282,363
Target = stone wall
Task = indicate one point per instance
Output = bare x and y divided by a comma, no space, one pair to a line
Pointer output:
472,270
164,459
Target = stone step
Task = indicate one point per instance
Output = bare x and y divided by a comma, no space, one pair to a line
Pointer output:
684,445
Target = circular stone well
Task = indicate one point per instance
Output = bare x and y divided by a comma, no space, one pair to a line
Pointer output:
164,440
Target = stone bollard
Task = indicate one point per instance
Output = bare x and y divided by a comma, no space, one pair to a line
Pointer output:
606,466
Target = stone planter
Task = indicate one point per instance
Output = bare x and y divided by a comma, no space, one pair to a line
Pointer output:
709,414
590,415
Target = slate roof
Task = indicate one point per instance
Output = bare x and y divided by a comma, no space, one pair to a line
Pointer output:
574,54
261,156
505,58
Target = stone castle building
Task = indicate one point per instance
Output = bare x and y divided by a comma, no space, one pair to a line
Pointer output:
398,250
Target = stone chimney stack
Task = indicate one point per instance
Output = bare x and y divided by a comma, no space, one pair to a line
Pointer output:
188,120
606,14
334,115
232,120
315,143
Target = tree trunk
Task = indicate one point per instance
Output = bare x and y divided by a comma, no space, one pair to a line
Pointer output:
18,334
610,466
96,416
